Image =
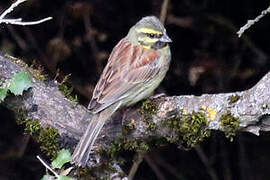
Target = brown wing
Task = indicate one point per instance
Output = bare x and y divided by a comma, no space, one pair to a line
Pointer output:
128,66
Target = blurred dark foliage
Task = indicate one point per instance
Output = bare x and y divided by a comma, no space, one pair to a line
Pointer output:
207,57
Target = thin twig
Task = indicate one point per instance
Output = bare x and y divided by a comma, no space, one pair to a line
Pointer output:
245,169
18,21
47,166
225,161
135,165
164,10
11,8
252,22
19,40
154,167
185,22
167,166
206,162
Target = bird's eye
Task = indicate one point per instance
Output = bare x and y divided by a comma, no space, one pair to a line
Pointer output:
152,35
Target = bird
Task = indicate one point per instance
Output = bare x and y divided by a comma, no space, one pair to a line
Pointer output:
135,68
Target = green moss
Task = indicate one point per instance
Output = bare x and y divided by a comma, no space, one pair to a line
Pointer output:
101,151
83,173
106,169
144,146
115,148
48,138
20,116
32,128
151,126
233,99
130,145
103,168
35,70
49,141
148,109
192,128
174,124
128,128
229,124
68,92
122,145
135,145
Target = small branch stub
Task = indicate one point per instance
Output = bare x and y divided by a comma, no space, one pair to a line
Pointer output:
252,22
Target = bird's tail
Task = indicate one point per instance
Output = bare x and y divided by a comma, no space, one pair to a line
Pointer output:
84,147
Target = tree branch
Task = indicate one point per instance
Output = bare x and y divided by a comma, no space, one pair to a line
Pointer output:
242,111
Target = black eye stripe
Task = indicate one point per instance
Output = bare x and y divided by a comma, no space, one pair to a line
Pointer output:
151,35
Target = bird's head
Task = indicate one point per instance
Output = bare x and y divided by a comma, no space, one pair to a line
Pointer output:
150,33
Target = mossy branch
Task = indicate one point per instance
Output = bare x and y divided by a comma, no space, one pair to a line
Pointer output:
177,119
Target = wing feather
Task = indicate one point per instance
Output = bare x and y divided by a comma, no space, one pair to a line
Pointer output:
128,67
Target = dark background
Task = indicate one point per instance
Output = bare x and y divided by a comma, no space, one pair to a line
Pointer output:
207,57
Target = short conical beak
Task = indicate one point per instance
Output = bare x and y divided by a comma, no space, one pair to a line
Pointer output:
165,38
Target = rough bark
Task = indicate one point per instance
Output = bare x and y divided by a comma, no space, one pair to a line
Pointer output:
45,103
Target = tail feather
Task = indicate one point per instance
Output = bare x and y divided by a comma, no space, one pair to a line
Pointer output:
84,147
